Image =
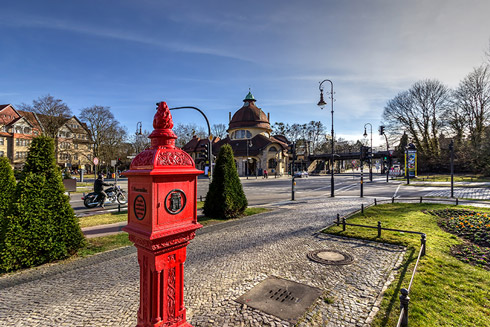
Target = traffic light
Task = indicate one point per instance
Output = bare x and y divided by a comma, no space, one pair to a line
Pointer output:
381,130
364,152
204,151
292,150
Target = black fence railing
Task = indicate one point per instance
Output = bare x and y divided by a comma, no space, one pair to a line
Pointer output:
404,298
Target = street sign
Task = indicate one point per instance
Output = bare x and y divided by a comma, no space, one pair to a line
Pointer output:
113,163
96,161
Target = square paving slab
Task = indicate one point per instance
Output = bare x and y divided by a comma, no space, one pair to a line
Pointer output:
282,298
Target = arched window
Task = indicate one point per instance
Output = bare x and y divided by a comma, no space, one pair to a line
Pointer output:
241,134
272,149
27,130
18,129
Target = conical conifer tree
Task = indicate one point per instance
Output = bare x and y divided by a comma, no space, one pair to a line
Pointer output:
42,226
225,198
7,189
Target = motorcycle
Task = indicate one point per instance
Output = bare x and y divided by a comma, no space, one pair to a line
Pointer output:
114,193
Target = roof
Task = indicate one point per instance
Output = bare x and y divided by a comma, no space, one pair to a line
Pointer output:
249,116
258,143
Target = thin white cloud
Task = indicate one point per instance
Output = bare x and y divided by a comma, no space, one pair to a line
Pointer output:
123,35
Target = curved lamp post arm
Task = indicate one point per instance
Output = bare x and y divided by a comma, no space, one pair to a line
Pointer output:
209,137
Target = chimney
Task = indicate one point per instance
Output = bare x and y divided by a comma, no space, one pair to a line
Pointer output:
229,114
269,117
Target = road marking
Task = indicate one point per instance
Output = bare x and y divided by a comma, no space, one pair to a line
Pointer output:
397,190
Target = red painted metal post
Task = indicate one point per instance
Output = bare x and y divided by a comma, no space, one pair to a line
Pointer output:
162,219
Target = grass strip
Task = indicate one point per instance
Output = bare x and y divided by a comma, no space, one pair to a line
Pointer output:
103,219
446,291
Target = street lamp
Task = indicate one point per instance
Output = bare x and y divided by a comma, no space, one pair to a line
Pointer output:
322,104
371,151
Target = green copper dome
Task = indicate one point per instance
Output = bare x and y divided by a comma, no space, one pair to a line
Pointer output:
249,97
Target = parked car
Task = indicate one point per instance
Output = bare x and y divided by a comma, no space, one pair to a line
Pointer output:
301,174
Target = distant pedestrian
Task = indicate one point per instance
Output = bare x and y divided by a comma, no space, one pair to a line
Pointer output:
265,173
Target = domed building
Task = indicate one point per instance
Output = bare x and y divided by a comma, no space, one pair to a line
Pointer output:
255,149
249,135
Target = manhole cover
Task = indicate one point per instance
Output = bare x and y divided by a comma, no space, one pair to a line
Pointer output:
282,298
330,257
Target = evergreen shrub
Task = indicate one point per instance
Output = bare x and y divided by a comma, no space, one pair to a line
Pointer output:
42,226
225,198
7,189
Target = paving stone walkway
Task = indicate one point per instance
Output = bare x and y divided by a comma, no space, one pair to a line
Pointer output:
478,193
224,261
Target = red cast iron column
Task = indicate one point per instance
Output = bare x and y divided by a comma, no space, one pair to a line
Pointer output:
162,219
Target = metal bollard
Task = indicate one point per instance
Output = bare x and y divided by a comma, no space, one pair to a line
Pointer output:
420,199
457,201
392,199
375,203
362,207
119,208
343,224
379,228
338,219
200,198
423,239
404,301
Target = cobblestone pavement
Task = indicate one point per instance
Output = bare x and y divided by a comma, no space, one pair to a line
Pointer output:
224,261
479,193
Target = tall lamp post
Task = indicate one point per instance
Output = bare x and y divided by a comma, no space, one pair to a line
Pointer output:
322,104
370,154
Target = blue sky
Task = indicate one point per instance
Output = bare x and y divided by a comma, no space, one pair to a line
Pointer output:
130,54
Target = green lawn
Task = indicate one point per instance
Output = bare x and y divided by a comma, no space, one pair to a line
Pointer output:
105,243
104,219
114,217
446,291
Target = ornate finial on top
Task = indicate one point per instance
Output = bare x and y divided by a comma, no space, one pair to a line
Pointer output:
163,124
163,118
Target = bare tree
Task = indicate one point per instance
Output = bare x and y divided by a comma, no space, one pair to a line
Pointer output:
219,130
51,112
185,132
107,133
420,113
471,110
139,142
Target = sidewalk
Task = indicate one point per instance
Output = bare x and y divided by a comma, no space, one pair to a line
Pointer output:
224,261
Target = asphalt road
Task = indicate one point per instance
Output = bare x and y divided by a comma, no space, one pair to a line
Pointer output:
260,191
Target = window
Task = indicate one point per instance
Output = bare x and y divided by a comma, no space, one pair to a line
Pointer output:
18,130
2,140
27,130
272,149
241,134
272,163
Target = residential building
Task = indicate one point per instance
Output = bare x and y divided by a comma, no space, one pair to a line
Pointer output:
18,128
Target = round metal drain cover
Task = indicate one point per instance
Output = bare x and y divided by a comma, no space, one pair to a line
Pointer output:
330,257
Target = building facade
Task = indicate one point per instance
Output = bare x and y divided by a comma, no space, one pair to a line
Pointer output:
17,129
249,135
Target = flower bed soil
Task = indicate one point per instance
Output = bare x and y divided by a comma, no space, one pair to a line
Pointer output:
474,228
